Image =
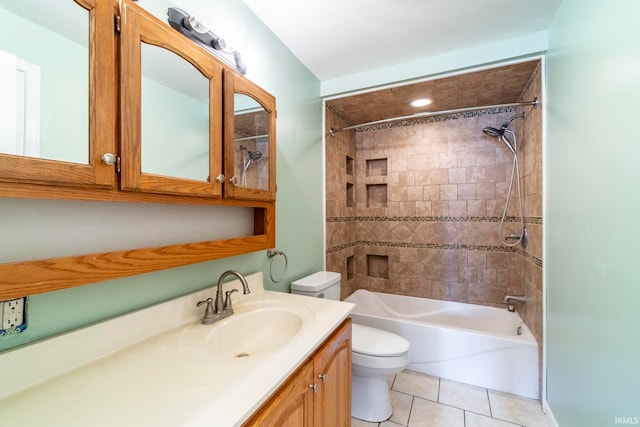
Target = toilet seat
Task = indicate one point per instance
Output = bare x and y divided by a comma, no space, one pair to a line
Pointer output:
376,342
376,362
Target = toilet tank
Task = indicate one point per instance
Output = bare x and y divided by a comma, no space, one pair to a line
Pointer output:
323,284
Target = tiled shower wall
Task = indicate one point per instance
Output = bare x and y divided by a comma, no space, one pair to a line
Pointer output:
419,213
529,131
341,212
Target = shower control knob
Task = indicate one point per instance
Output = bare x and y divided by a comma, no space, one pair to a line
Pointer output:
234,180
220,178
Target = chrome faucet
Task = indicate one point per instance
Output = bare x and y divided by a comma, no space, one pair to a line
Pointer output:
511,299
222,307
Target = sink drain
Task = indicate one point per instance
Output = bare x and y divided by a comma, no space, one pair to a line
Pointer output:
242,355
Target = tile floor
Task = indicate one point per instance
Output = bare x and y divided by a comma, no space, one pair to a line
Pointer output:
421,400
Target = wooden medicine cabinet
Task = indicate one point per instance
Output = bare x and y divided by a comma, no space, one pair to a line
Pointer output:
158,121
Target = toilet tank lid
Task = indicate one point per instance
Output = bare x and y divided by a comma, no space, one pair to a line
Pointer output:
376,342
316,281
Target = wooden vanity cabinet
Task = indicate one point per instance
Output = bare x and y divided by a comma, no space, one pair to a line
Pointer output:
291,405
332,370
318,394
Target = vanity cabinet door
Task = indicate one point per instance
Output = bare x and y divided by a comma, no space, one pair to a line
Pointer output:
318,394
332,369
58,92
171,110
291,405
249,134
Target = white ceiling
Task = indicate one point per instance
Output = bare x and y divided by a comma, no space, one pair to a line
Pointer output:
334,38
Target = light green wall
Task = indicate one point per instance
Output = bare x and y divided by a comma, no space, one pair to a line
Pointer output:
593,206
517,47
299,204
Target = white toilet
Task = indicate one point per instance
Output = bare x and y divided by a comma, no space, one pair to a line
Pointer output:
376,354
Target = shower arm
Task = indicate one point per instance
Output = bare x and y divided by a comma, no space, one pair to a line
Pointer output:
533,103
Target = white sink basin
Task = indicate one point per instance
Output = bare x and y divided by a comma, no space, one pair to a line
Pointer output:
253,330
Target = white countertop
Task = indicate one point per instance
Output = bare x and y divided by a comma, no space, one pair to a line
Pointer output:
131,371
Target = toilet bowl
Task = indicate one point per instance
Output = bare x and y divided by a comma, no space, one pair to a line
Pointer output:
375,354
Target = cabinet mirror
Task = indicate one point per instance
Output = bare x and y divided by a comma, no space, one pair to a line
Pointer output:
44,80
251,149
171,107
174,116
49,84
249,139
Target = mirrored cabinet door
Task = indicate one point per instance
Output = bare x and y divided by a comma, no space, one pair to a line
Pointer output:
171,102
249,123
58,86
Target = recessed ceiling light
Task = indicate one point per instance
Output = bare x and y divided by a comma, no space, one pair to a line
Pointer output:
421,102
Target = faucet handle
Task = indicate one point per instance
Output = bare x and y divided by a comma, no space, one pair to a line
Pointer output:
227,300
209,314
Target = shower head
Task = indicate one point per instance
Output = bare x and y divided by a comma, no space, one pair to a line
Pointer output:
493,132
497,133
254,155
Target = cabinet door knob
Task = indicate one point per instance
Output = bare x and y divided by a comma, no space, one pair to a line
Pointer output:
108,159
234,180
323,377
314,387
220,178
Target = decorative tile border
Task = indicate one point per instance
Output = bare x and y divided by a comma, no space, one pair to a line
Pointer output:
479,248
527,219
527,256
341,247
421,246
434,119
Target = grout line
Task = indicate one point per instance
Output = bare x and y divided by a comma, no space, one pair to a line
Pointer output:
486,390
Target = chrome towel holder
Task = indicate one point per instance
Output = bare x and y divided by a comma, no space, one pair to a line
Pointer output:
273,253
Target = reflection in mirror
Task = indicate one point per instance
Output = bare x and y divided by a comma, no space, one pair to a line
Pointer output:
44,80
175,119
251,150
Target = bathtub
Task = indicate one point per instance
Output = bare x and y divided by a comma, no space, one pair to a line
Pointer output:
483,346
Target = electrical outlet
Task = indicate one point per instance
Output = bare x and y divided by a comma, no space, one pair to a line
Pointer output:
13,315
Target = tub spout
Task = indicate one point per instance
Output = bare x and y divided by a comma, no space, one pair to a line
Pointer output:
511,299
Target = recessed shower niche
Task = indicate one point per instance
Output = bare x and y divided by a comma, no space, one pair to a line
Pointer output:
351,267
377,167
378,266
350,198
349,165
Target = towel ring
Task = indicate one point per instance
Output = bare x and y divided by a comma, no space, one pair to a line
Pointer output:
273,254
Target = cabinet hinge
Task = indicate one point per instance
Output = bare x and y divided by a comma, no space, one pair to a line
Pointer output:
116,24
118,164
